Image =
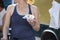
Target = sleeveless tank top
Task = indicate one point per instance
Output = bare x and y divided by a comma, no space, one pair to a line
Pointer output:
20,27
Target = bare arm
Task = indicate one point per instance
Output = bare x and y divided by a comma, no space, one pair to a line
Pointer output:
6,24
35,23
37,19
7,21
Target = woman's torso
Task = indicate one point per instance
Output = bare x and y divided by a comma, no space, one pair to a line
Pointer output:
20,27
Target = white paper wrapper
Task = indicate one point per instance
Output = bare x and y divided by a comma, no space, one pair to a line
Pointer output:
28,16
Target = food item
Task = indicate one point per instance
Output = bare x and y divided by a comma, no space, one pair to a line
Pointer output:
29,16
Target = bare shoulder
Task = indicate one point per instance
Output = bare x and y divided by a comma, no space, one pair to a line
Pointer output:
33,7
10,8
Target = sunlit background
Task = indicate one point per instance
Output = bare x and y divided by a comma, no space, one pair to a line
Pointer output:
44,6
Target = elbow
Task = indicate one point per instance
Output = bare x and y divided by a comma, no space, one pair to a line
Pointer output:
36,28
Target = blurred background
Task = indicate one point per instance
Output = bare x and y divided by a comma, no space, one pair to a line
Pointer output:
43,6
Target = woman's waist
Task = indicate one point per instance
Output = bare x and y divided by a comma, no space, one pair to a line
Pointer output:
20,26
23,37
19,23
22,34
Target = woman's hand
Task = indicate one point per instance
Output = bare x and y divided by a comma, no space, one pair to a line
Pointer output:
31,21
34,24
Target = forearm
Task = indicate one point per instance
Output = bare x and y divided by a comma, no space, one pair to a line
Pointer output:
36,27
35,24
5,29
5,32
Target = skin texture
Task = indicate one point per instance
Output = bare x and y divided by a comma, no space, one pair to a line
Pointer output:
22,8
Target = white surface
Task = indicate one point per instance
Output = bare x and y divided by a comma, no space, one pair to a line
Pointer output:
1,15
54,14
28,16
12,1
37,38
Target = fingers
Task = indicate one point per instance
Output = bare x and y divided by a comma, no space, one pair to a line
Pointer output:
32,22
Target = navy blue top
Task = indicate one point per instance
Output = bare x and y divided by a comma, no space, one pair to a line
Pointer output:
20,27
